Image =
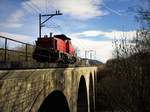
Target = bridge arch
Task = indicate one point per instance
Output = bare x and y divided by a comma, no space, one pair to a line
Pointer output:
91,93
82,100
52,104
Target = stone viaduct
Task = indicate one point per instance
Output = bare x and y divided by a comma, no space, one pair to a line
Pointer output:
44,90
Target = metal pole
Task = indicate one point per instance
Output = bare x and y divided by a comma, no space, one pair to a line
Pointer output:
95,55
26,58
85,53
5,55
90,55
39,25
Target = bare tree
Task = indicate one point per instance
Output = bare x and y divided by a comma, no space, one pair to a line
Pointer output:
143,17
128,85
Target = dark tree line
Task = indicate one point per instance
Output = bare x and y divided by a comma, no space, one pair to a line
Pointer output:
126,87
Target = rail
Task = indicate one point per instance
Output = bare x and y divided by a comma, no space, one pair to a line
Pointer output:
9,46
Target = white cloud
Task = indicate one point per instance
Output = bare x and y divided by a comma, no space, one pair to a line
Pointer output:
15,17
91,33
114,34
14,20
18,37
103,48
80,9
11,25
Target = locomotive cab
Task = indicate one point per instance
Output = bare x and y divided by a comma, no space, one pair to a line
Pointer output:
45,47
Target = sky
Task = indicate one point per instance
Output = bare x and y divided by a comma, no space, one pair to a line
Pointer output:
91,24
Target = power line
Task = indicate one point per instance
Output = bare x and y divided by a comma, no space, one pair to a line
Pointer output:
112,10
42,23
36,7
26,2
46,4
56,24
47,26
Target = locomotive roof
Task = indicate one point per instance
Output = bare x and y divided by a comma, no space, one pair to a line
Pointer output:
62,36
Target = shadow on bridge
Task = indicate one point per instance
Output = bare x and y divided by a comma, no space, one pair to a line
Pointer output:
82,102
55,102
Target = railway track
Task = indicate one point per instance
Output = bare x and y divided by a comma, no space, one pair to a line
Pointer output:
27,65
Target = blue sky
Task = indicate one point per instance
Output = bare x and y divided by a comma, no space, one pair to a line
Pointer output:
91,24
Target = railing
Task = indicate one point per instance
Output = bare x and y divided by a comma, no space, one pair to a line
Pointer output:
13,50
17,54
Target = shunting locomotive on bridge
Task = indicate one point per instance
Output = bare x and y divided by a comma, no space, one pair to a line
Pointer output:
56,49
53,48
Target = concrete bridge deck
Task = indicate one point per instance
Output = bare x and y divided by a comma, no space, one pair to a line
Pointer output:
32,90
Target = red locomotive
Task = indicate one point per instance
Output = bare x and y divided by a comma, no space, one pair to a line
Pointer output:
55,49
